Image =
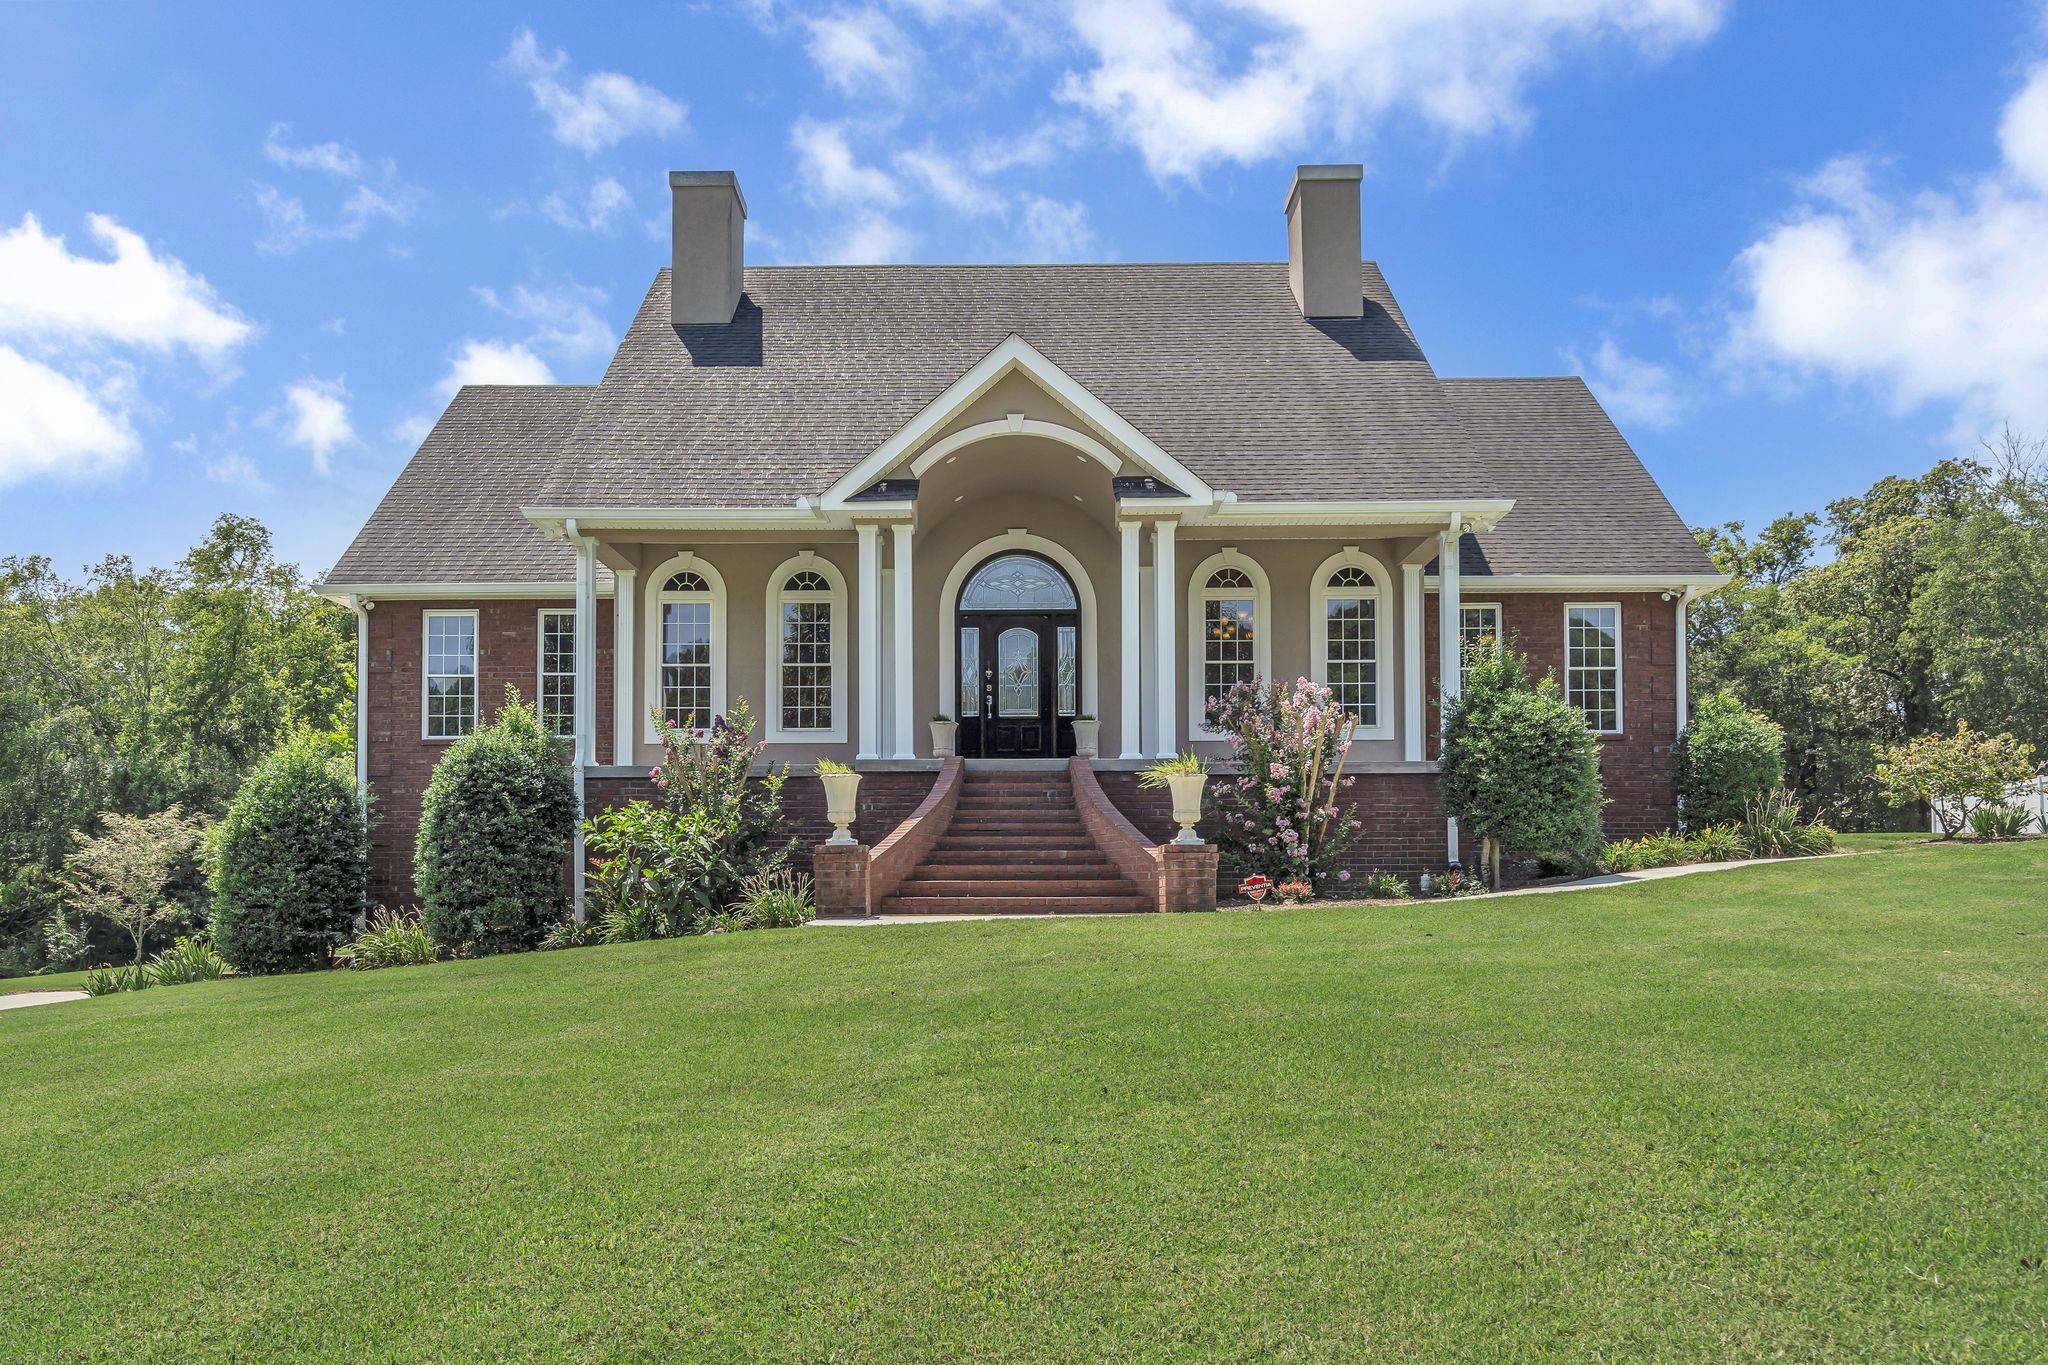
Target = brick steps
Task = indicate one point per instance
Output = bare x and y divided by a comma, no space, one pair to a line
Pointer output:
1015,846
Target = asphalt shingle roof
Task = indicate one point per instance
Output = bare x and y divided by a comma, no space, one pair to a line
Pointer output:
1213,362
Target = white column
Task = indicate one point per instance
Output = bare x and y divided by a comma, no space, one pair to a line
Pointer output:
1449,638
1133,668
1163,579
1684,599
1414,702
869,608
906,647
584,712
624,584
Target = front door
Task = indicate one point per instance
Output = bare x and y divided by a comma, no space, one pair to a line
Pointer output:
1019,660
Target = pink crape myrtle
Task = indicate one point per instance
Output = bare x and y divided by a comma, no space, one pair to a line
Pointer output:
1280,816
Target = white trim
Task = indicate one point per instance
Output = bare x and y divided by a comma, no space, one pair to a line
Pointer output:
1414,704
798,515
540,663
1480,514
361,608
1013,354
1319,594
869,639
836,598
476,665
1450,680
1620,662
949,615
341,592
651,668
1199,593
623,664
1684,660
1030,426
1576,583
1131,676
1165,660
900,566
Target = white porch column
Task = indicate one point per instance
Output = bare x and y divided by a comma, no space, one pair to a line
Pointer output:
1449,636
906,647
624,583
1164,577
1413,700
1684,601
1133,666
584,710
869,593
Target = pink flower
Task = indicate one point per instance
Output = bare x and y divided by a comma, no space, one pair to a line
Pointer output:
1343,876
1277,771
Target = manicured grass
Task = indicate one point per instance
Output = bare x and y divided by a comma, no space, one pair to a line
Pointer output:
1800,1109
54,981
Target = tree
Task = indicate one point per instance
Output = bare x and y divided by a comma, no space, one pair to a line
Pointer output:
1954,774
1725,758
122,876
291,860
1519,768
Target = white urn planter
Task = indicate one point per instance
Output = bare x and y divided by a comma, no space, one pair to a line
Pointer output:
944,733
841,792
1187,803
1087,738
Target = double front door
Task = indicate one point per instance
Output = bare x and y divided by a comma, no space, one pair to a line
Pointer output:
1019,684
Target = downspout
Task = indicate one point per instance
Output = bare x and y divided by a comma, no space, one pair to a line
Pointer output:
360,605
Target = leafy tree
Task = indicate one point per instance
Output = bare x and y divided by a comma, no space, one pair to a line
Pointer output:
495,830
290,860
123,876
1954,774
1726,757
1519,767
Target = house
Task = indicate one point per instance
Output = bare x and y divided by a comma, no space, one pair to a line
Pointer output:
1017,496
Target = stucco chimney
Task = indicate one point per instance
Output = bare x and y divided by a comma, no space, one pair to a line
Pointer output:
708,238
1323,257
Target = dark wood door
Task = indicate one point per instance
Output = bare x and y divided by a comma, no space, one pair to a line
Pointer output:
1017,661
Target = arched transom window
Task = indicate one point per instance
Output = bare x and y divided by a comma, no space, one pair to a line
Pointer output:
806,651
1017,583
1347,613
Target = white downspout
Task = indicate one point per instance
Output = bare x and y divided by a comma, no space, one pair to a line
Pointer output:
361,606
585,722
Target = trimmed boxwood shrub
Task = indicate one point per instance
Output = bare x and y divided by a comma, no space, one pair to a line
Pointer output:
291,858
1727,757
495,831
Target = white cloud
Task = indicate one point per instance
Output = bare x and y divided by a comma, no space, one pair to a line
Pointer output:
316,418
604,109
290,225
331,157
237,471
1636,391
135,298
493,362
869,238
1317,69
568,323
599,211
53,424
1053,231
1935,296
863,52
831,171
949,182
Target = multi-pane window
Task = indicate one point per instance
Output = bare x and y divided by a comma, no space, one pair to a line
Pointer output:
450,668
806,657
1592,663
1229,631
686,650
1351,636
1479,622
558,671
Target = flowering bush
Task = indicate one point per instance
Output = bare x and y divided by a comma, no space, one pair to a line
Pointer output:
1955,774
1294,893
1279,815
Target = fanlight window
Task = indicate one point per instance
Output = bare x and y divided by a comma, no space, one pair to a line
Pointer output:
687,582
1017,583
1230,578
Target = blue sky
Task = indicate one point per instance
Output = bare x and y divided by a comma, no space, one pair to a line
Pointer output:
245,252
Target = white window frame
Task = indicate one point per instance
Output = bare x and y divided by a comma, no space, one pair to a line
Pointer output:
1500,641
476,663
1199,594
540,665
658,598
842,648
1382,593
1620,652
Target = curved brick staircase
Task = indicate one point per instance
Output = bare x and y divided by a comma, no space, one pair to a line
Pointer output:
1015,845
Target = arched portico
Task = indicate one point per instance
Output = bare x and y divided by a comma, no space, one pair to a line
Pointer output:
1018,540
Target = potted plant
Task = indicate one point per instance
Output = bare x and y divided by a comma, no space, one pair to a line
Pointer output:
944,729
1184,775
1087,736
842,788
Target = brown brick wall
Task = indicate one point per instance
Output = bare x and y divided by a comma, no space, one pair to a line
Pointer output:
886,798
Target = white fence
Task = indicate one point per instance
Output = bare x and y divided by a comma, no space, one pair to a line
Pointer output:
2030,796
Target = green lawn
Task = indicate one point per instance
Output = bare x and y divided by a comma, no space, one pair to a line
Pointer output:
1800,1109
54,981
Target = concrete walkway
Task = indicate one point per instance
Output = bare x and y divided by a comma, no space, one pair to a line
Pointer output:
21,1000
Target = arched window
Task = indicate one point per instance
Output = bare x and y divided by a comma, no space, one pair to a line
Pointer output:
1347,647
807,652
1017,583
1229,629
686,645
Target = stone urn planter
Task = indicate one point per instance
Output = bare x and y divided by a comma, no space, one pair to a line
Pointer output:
944,733
842,790
1087,736
1187,803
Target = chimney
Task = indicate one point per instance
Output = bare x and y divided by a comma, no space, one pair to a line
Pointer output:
1324,263
708,238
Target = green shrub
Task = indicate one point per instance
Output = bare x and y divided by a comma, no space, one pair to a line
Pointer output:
2001,822
1622,856
185,961
566,932
1726,757
495,830
113,980
1520,769
392,940
1719,844
1773,827
772,900
1954,774
291,860
1383,886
